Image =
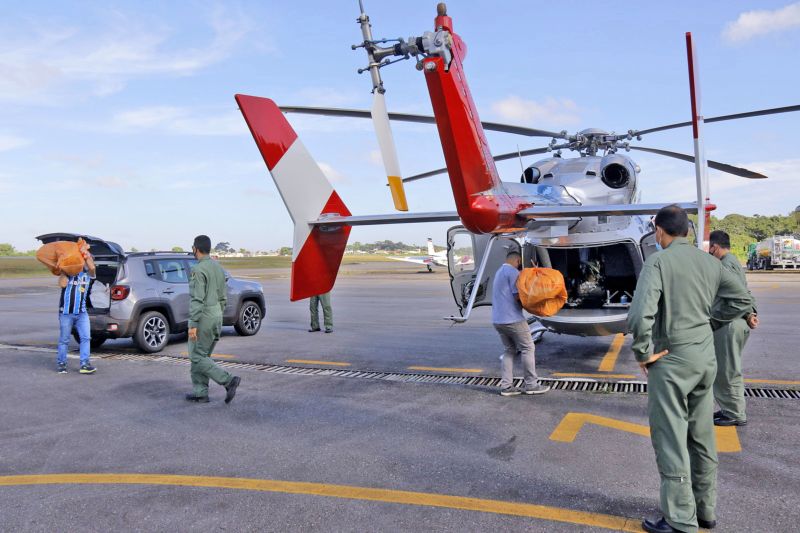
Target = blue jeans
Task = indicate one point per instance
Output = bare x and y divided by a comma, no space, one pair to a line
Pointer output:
81,323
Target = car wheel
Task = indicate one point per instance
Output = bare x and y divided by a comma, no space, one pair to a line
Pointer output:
152,332
249,319
97,342
94,342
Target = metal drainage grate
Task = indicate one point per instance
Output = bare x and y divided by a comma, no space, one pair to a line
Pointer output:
565,384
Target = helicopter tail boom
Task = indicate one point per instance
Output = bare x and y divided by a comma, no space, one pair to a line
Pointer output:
470,165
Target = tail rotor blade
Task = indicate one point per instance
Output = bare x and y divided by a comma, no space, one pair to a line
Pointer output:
380,119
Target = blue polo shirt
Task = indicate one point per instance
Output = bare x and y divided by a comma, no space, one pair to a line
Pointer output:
506,308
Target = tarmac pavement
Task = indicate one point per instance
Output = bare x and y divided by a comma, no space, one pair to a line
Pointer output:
369,455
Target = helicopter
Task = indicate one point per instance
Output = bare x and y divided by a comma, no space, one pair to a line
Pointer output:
579,215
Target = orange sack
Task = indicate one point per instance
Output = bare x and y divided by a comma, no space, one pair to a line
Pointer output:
62,257
542,291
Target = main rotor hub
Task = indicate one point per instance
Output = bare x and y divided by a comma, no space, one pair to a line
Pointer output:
590,141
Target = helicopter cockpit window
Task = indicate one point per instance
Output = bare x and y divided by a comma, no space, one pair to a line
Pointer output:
461,256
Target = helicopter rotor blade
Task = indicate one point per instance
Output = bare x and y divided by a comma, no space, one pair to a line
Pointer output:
721,118
722,167
391,163
420,119
501,157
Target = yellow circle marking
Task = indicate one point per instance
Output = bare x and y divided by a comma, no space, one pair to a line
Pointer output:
528,510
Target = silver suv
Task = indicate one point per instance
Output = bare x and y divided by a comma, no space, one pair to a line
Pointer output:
146,295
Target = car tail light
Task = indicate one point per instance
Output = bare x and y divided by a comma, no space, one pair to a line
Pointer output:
120,292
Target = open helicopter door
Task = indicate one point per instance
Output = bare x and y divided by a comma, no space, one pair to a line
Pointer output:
472,261
648,245
648,241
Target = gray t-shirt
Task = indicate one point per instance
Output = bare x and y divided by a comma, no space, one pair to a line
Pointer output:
506,308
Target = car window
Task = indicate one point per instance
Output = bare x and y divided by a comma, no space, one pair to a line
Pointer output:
172,270
150,269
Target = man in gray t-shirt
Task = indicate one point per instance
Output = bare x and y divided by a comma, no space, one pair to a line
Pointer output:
510,323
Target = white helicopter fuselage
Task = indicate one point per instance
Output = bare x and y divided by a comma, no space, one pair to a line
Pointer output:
600,257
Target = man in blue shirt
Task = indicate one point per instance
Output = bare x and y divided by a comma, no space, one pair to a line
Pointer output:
513,329
72,314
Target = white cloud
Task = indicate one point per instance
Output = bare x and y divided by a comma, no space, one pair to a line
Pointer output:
751,24
110,182
256,191
552,111
333,175
325,97
667,181
180,121
41,66
375,157
12,142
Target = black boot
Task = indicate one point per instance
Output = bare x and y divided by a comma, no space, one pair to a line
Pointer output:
231,388
661,526
196,399
706,524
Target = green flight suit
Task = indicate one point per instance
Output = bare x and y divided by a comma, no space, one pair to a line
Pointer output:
208,297
729,340
671,310
327,311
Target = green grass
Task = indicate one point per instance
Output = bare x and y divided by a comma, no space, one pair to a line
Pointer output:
238,263
235,263
22,267
28,267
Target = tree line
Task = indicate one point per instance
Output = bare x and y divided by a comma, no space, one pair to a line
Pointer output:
745,230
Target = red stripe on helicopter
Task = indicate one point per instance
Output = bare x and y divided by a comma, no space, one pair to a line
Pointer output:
271,131
316,266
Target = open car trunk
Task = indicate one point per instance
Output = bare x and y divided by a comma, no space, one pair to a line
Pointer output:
108,258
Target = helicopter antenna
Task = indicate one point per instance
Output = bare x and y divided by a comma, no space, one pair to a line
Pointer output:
521,167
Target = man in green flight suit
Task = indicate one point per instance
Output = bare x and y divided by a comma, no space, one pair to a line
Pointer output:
729,340
327,312
208,297
673,343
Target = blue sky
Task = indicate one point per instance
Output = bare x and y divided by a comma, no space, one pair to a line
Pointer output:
117,119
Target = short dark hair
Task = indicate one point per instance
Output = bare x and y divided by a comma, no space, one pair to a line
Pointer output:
514,254
674,220
203,244
720,238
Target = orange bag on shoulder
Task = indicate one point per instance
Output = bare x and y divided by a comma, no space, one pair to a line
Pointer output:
63,257
542,291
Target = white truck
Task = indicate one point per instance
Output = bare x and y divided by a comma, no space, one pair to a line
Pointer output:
778,251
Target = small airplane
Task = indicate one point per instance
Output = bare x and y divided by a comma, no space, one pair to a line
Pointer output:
433,257
580,215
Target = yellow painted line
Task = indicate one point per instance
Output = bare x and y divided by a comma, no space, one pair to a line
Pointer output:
425,499
773,381
313,362
579,375
446,369
610,359
572,423
216,355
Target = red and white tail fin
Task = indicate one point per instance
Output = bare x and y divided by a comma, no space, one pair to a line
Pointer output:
307,193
